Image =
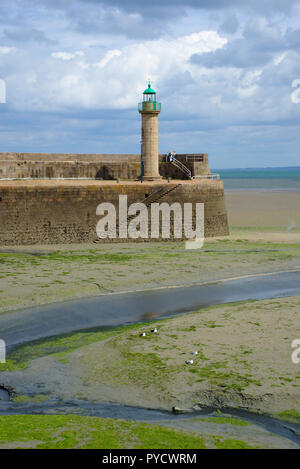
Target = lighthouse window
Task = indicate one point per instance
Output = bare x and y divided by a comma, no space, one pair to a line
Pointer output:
150,97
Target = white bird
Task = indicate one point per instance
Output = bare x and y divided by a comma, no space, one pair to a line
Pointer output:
292,225
189,362
143,334
154,330
195,352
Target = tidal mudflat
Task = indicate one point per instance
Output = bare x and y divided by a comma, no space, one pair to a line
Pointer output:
38,276
243,358
243,361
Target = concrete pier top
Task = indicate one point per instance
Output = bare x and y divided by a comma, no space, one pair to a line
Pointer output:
36,183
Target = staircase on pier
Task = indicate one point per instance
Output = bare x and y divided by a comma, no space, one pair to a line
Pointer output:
150,199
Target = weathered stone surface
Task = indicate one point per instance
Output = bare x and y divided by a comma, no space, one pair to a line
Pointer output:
150,144
49,210
55,212
105,166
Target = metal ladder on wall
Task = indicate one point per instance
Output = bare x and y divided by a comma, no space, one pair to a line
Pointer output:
160,193
182,167
147,201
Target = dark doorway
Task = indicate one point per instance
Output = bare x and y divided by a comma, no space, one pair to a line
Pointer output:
104,173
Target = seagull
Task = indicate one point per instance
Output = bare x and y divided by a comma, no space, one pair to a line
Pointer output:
154,330
195,353
189,362
291,226
143,334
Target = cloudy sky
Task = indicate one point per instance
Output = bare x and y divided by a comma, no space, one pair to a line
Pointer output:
226,71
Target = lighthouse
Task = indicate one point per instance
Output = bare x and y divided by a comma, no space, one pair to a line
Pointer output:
149,108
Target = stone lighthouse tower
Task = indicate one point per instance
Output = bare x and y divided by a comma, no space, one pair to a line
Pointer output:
149,109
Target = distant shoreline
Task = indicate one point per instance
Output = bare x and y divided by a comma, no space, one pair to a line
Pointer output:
255,189
263,168
261,179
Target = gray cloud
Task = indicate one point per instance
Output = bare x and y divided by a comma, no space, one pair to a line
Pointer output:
206,109
293,38
114,22
155,17
238,53
28,35
155,5
259,45
143,18
230,24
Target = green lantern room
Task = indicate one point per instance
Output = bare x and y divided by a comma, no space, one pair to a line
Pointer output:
149,101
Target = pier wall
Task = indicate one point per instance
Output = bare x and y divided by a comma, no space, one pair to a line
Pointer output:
91,166
62,212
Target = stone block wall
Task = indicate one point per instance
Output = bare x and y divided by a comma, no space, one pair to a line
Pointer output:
93,166
197,163
48,212
44,166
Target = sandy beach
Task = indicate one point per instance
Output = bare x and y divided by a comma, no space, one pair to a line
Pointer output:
272,211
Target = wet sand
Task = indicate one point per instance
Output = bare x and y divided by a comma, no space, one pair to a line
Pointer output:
115,310
243,360
265,211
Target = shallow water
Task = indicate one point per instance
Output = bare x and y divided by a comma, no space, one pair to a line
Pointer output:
127,308
4,395
290,431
